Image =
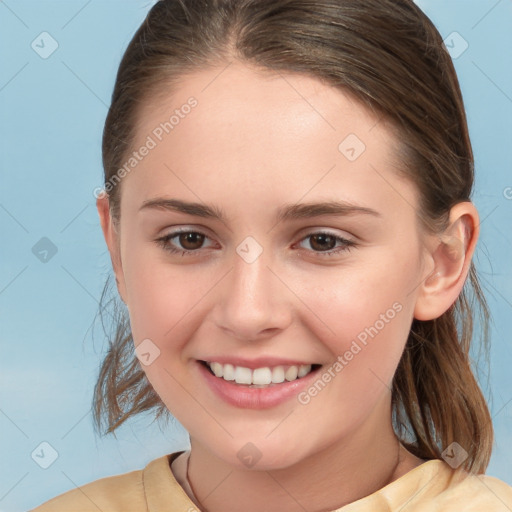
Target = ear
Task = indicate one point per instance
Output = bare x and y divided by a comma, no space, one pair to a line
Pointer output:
451,254
111,236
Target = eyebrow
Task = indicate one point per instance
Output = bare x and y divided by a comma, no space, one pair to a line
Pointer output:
285,212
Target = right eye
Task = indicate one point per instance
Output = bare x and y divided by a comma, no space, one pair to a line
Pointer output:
190,241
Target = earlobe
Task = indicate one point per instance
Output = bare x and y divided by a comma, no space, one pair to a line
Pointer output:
112,240
451,254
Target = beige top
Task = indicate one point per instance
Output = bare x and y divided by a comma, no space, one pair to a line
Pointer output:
430,487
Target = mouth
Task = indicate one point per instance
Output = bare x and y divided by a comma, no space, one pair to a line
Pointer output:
264,377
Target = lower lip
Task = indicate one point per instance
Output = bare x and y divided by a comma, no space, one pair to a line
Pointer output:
245,397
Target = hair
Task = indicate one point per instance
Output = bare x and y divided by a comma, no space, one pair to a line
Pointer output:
391,58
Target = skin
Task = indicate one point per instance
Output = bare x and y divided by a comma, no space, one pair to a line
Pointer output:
254,142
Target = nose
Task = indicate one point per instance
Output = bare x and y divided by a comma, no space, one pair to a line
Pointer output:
253,302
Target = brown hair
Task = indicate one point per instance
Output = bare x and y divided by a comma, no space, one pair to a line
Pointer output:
389,56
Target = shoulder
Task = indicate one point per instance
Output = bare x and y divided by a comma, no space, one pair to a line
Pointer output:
443,488
476,493
119,493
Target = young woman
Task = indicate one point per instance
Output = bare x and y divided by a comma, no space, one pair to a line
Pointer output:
287,208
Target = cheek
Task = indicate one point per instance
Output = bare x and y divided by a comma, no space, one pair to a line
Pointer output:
166,308
348,300
364,318
160,295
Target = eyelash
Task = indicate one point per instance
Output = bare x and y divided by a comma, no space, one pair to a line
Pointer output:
164,242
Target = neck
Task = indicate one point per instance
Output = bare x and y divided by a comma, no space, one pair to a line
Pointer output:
328,479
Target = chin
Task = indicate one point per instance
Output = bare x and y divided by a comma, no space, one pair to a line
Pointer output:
262,455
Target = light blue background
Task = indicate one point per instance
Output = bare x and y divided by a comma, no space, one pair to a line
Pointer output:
52,113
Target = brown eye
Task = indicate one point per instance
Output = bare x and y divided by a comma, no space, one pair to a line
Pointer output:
324,244
191,240
185,243
323,241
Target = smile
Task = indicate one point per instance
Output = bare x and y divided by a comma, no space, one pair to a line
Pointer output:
259,377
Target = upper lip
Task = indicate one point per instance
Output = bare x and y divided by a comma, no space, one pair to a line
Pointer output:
260,362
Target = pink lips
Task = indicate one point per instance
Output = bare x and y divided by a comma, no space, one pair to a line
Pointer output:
245,397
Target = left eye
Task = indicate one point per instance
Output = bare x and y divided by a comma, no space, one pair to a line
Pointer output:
325,241
192,241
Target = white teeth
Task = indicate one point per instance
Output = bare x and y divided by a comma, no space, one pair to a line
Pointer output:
291,373
260,377
243,375
228,372
304,370
217,369
278,375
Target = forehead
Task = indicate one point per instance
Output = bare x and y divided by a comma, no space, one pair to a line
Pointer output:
256,100
262,133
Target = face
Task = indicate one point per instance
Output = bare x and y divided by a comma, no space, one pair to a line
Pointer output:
329,287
